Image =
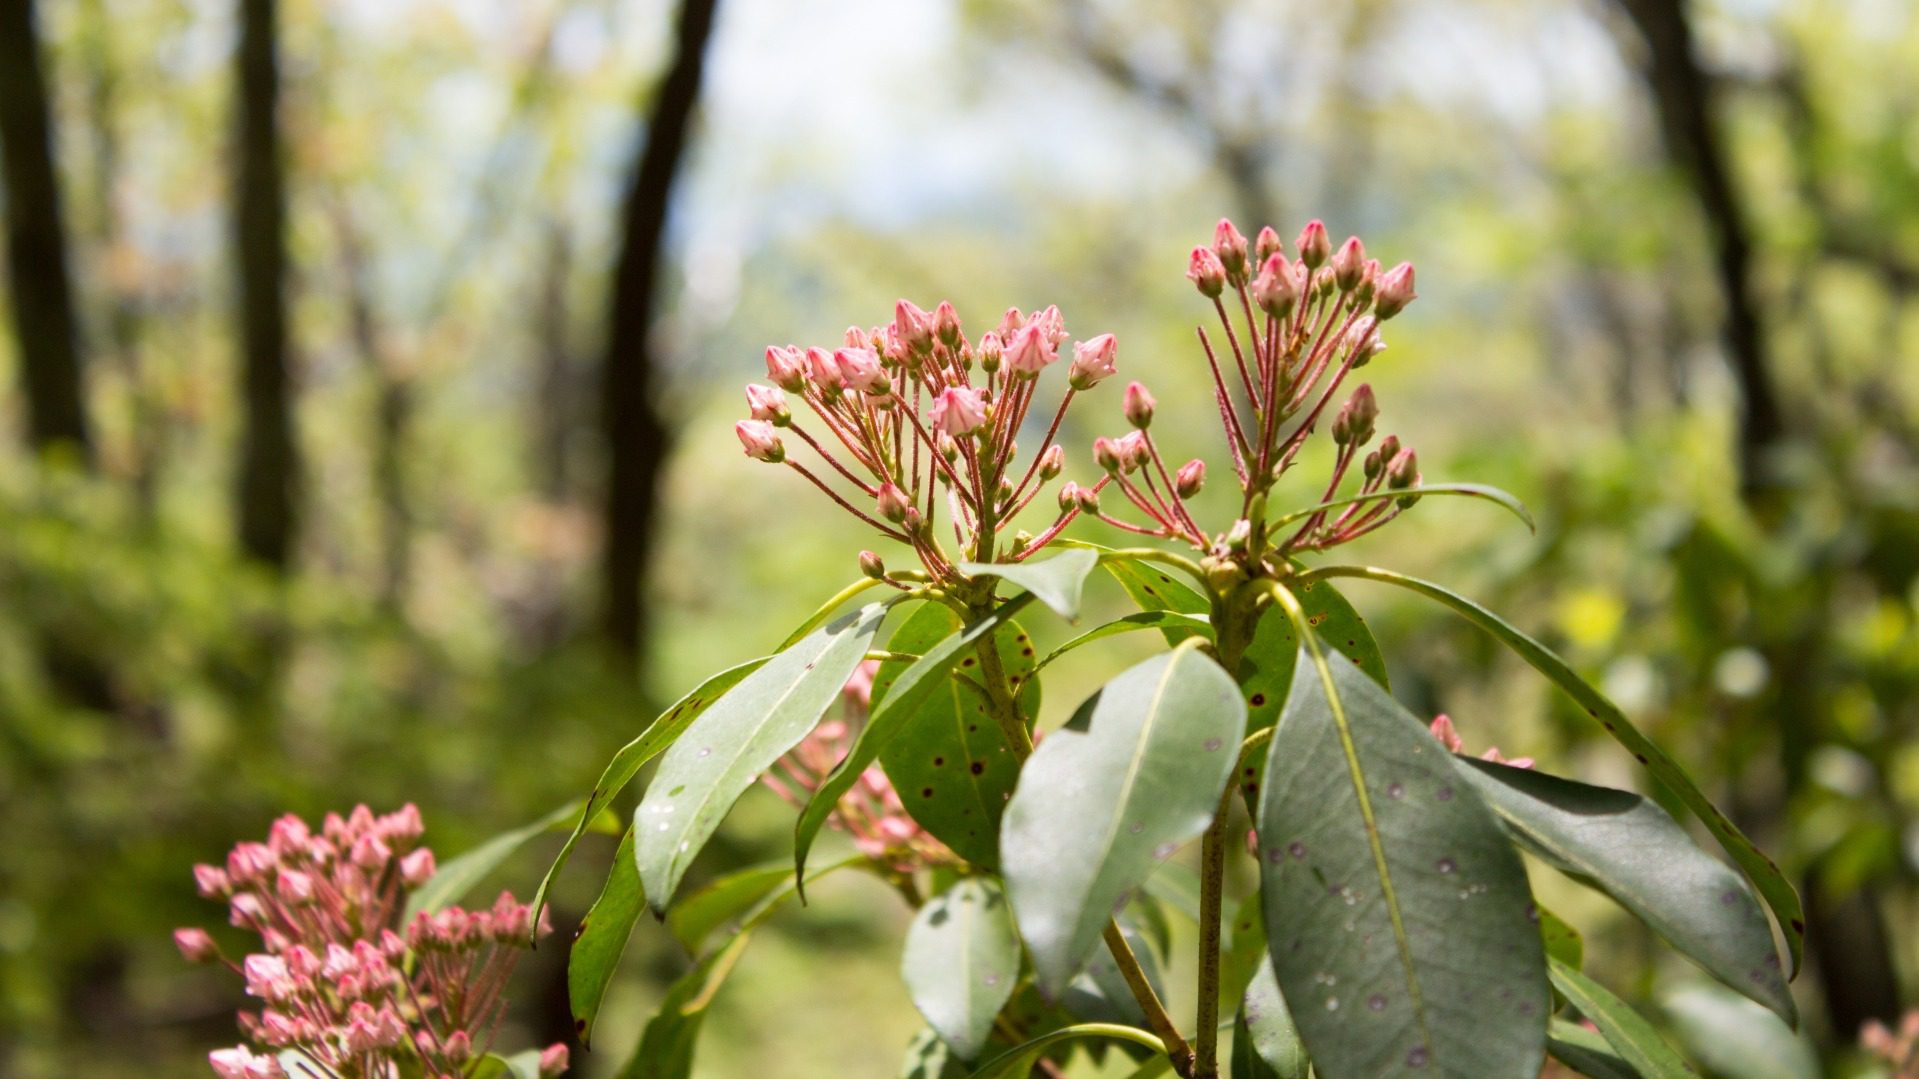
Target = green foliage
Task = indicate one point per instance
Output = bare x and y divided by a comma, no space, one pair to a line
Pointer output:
962,963
602,938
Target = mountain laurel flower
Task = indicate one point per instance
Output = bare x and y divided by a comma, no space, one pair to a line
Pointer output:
1206,272
1313,245
786,366
1138,405
892,503
1030,350
417,867
1092,362
1276,290
1363,340
1354,424
990,352
860,369
241,1063
1133,451
1266,245
211,882
824,373
1068,497
1349,263
1089,500
912,326
1190,478
959,411
1403,470
946,324
871,565
767,403
1230,245
760,441
1052,461
1106,454
196,945
1395,291
553,1061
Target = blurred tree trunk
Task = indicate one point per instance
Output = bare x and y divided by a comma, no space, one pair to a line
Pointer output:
1682,97
636,436
269,465
43,308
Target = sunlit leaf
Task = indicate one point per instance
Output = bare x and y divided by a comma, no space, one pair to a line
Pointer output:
522,1065
1733,1037
1563,942
1137,772
1637,1043
962,962
1056,581
1266,1044
927,1057
602,938
726,748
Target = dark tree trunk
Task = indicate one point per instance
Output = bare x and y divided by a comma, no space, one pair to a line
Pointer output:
43,308
636,437
1682,97
269,464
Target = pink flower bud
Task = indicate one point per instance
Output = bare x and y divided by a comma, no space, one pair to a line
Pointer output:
1106,454
250,863
1363,341
871,565
417,867
1132,449
370,852
824,373
241,1063
288,836
1092,362
459,1046
860,369
912,326
279,1029
1448,736
1205,271
553,1061
1349,262
1030,350
1354,423
267,977
767,403
1088,500
1068,497
1275,290
990,352
786,368
893,503
196,945
946,324
1403,470
1052,324
1010,323
294,886
959,411
1190,478
1230,246
1052,461
1395,291
1266,245
247,911
211,882
1313,244
760,442
1138,406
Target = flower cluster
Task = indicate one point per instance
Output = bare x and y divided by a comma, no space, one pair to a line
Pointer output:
1443,730
1295,329
344,990
871,812
1899,1050
914,413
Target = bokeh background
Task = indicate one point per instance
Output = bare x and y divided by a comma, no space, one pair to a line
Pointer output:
364,424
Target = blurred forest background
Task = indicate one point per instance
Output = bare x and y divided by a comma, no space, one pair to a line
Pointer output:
371,363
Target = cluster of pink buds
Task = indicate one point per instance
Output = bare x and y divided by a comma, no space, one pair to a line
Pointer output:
1295,329
1449,737
871,812
346,991
1899,1050
914,413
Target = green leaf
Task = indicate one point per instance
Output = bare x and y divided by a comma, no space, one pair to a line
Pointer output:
962,962
905,703
1266,1044
696,916
1244,951
627,762
1470,490
1397,912
1587,1052
458,876
1176,886
1733,1037
1628,1032
927,1057
1100,993
522,1065
1137,772
1765,875
1631,849
1154,590
602,938
1056,581
723,751
1017,1063
1161,620
1563,942
1267,669
949,760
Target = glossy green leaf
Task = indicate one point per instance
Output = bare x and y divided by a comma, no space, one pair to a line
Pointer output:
1586,1052
458,876
1100,993
1629,848
1137,772
627,762
602,938
1017,1063
927,1057
1735,1038
949,760
1243,950
1166,620
1563,942
1266,1044
522,1065
1637,1043
1152,589
1397,911
726,898
725,749
1765,875
1469,490
1056,581
962,962
925,694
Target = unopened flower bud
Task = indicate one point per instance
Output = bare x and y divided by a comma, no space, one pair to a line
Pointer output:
1240,536
1106,454
1368,279
912,326
1266,245
872,565
211,882
1068,496
1052,461
1030,349
459,1046
1138,406
767,403
1092,362
860,369
914,522
1206,272
760,442
1190,478
893,503
1364,341
1371,466
959,411
196,945
1313,244
1388,447
553,1060
1133,453
417,867
989,352
1354,423
948,448
1230,245
824,372
946,324
1395,291
786,367
1275,290
1403,470
1088,500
